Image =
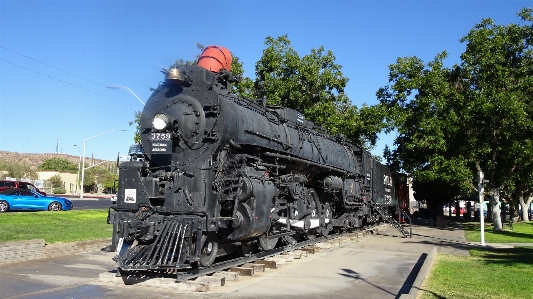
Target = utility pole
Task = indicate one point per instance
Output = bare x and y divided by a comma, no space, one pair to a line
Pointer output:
481,202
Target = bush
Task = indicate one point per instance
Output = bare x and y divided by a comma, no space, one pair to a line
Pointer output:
56,181
59,190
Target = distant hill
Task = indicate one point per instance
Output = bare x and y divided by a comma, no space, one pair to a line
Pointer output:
34,160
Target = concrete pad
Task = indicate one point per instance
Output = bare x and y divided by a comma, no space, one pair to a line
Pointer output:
277,260
243,271
213,281
268,264
309,249
256,267
228,276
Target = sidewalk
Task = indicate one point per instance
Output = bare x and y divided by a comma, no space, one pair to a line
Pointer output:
383,265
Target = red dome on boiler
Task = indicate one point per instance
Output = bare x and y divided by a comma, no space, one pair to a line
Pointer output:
215,58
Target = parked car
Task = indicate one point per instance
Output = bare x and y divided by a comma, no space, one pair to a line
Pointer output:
462,210
5,184
17,199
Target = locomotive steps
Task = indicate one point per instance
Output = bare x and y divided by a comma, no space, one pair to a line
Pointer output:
238,273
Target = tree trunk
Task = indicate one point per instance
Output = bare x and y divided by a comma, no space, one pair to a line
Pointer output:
495,205
525,207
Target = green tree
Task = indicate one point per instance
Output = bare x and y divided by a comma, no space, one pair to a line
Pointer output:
58,164
137,122
476,116
17,170
498,64
314,85
57,184
422,103
99,175
56,181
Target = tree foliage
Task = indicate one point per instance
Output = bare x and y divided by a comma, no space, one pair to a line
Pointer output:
58,164
56,181
476,116
137,123
17,170
99,175
314,85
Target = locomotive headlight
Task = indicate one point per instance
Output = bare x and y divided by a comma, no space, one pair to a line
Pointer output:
160,121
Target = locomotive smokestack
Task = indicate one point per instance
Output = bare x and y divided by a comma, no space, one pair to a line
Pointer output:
215,58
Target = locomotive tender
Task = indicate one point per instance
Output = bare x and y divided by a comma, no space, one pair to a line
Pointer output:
223,174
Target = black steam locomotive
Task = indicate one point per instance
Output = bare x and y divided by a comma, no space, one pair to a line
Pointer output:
222,174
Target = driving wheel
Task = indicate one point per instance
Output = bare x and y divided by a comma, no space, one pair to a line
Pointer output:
209,250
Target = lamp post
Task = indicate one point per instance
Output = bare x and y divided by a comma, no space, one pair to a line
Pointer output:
481,188
125,87
83,160
79,164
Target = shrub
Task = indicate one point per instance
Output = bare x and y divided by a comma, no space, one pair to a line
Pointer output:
59,190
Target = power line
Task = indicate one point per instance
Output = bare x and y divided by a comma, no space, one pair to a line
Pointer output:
49,66
74,85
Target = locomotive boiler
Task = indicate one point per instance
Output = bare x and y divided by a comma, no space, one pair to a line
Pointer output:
222,174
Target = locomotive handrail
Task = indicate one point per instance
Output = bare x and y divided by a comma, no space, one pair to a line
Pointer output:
403,213
305,161
268,138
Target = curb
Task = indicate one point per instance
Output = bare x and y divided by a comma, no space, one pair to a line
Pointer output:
422,274
20,251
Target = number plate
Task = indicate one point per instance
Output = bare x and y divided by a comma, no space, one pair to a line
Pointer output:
160,136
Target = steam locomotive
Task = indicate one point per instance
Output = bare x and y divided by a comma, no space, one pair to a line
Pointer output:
222,174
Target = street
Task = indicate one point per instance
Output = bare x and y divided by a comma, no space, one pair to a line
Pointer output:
88,203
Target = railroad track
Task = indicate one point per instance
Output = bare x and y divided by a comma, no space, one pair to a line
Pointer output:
200,279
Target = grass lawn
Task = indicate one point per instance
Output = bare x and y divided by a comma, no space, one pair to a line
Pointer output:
487,273
522,233
55,227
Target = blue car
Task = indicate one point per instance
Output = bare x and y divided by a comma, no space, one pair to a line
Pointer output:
29,200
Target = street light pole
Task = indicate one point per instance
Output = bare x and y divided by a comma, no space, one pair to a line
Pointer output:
481,202
83,160
125,87
79,164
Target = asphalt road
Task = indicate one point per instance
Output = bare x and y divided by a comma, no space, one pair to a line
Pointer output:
89,203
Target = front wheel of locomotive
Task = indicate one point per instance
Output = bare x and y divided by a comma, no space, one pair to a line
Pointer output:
209,249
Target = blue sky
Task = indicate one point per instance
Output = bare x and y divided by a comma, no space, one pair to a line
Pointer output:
57,58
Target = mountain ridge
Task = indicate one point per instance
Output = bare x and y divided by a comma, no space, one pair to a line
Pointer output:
36,159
